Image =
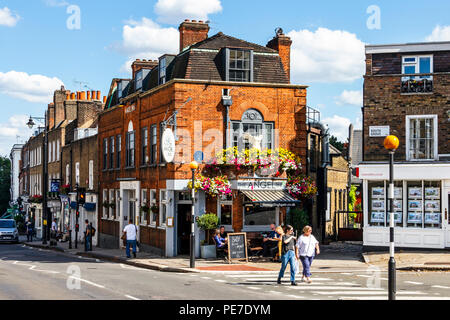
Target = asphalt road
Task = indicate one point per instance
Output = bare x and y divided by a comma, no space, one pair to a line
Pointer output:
34,274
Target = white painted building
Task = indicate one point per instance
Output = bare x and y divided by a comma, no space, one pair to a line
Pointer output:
15,157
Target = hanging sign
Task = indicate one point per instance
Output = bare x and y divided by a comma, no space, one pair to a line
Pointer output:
168,145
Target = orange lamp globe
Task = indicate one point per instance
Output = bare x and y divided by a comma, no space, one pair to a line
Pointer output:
391,143
194,165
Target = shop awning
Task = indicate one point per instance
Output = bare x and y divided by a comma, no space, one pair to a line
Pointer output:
274,197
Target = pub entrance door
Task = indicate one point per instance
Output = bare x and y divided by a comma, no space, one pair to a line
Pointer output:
184,212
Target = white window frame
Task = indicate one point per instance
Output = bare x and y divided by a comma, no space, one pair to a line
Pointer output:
105,198
91,174
77,172
416,64
328,211
118,209
435,135
228,227
142,215
58,144
112,197
152,202
163,202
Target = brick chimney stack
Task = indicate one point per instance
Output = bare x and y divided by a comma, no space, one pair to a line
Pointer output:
282,44
192,32
139,64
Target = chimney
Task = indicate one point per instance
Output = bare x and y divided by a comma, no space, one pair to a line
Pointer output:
282,44
58,98
51,116
72,96
139,64
192,32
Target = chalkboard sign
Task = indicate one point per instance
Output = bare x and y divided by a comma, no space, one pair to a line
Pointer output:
237,246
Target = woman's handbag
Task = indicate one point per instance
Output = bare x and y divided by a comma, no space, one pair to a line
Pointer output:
124,238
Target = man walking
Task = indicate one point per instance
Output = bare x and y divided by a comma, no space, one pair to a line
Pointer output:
87,236
131,231
30,231
289,251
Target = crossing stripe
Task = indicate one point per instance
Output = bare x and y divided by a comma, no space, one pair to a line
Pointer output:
412,282
441,287
313,288
347,293
398,298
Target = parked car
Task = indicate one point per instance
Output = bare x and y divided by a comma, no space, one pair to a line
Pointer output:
8,231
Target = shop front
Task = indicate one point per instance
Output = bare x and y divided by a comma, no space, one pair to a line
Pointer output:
421,205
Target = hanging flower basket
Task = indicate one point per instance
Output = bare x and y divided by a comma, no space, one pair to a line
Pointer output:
154,209
301,187
214,187
36,199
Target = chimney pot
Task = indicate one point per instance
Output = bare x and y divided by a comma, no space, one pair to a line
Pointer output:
82,95
282,44
88,95
72,96
98,95
104,99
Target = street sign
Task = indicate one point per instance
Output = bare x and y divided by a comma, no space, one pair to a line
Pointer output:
198,156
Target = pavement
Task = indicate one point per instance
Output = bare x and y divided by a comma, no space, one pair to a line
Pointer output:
335,257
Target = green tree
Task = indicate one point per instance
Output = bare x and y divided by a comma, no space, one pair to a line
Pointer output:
5,183
336,143
298,218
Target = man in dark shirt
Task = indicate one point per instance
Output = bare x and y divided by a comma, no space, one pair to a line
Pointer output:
289,250
223,234
270,242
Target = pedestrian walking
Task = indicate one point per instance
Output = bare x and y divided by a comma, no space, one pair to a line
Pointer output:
308,248
130,232
87,236
289,251
30,231
54,229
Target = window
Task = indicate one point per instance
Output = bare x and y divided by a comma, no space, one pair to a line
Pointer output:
119,150
49,152
252,132
57,150
105,153
225,210
143,215
91,175
313,153
417,65
154,148
139,79
130,150
239,65
259,216
77,172
328,212
53,151
105,201
161,130
162,70
120,87
421,137
144,144
153,215
117,211
67,174
111,202
111,153
163,208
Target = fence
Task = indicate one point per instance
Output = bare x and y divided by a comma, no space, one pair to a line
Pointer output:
348,228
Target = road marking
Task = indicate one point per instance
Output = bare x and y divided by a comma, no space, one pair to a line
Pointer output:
347,293
222,281
295,297
363,276
88,282
312,288
441,287
416,283
275,292
398,298
131,297
206,278
22,264
253,288
347,274
33,268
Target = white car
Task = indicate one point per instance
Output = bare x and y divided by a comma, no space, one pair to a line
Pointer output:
8,231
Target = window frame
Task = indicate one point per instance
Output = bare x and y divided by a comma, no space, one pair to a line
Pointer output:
130,160
154,144
228,68
416,64
105,153
153,201
435,136
227,202
163,204
144,146
119,151
111,152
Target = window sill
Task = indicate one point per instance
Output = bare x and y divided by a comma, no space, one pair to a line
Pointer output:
161,228
416,93
130,168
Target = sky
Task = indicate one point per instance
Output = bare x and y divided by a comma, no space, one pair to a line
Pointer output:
84,44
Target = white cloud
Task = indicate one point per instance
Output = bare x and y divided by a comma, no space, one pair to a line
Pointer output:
354,98
440,33
326,56
146,39
32,88
339,127
13,131
175,11
7,18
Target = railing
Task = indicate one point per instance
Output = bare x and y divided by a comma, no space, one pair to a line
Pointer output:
348,228
417,85
312,115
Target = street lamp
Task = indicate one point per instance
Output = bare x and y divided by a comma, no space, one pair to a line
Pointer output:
45,228
194,167
391,144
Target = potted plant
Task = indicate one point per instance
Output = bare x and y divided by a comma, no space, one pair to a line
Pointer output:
208,222
145,208
105,204
154,208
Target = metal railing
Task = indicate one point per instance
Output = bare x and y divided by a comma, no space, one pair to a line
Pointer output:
417,85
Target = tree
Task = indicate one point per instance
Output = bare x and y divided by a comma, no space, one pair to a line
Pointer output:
5,183
336,143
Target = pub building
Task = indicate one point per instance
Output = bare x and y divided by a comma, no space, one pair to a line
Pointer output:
406,94
218,92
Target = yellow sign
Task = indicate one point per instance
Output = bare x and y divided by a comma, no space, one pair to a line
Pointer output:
45,222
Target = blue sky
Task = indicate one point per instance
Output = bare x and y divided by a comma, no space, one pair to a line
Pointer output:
39,51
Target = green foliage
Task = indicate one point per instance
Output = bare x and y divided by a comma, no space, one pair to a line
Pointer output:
298,218
5,184
336,143
208,221
352,196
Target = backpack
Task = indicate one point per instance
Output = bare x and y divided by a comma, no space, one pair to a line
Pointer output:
93,230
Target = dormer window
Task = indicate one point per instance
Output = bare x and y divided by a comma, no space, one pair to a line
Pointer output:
162,70
239,65
120,87
140,76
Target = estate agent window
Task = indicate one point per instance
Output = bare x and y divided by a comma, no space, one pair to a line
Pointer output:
239,65
421,137
252,132
417,204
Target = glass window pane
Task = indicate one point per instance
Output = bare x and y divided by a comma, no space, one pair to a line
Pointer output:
377,203
259,216
410,69
425,65
414,204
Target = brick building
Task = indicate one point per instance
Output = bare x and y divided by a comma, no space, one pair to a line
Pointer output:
407,94
209,96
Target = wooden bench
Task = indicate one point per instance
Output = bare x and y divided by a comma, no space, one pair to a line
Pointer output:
254,244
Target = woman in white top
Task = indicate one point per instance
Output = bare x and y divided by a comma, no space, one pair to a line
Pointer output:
308,248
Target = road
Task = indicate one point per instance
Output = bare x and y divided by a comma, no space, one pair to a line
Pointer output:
34,274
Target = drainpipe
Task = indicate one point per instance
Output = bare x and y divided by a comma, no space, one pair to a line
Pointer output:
325,137
227,101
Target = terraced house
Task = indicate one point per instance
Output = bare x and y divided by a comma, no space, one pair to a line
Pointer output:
407,94
218,92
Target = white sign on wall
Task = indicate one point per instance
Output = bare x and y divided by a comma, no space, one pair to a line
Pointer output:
168,145
382,131
261,184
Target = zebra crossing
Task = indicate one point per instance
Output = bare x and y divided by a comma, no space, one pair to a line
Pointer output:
336,286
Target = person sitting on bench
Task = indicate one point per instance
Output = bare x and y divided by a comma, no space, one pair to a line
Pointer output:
270,242
221,243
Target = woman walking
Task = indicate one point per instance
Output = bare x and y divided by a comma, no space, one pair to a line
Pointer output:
308,248
289,251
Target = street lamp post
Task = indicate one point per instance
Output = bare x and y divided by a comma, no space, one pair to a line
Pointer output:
194,167
46,220
391,143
